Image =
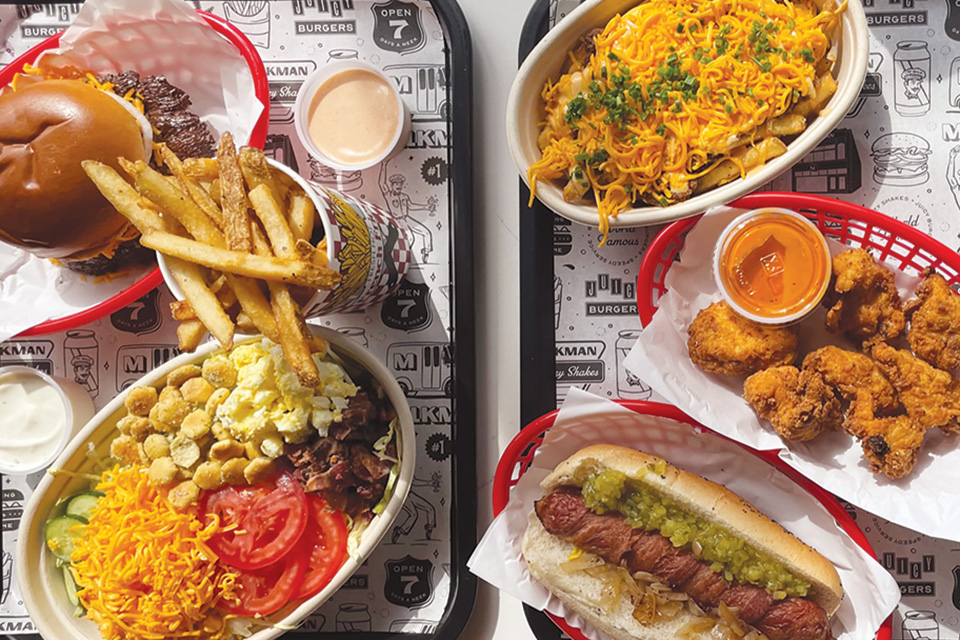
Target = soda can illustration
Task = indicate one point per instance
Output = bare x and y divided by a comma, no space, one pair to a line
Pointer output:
82,359
911,77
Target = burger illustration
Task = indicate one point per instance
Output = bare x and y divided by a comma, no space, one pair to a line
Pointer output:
900,159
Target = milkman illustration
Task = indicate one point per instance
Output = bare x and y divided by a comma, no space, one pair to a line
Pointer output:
400,204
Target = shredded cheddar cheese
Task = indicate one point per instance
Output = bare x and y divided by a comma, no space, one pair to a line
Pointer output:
144,569
671,90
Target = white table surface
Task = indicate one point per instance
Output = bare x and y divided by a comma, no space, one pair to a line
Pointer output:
495,28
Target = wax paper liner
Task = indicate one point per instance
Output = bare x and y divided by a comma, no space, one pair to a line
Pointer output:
925,501
870,591
153,37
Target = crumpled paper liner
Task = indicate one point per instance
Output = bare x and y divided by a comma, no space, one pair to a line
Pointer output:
870,591
151,36
925,501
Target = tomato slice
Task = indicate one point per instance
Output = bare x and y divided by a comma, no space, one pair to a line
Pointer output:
269,520
324,543
265,591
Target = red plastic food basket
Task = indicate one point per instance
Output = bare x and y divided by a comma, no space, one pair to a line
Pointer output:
894,242
151,280
518,455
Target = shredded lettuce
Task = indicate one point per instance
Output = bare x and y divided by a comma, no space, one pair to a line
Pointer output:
388,491
380,446
353,540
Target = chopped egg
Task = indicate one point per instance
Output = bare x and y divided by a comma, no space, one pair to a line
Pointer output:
269,406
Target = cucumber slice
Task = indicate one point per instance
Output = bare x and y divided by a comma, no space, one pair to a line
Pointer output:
71,586
82,505
58,536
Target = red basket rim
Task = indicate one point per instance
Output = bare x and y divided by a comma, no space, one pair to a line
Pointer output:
153,278
647,276
530,433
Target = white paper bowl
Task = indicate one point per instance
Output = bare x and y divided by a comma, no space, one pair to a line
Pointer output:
41,582
550,57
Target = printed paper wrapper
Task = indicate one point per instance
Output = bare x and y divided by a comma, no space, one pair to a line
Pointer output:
870,592
368,246
925,501
153,37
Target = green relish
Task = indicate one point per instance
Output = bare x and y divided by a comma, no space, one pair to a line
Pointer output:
646,508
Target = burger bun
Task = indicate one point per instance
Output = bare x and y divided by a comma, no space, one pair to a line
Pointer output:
50,206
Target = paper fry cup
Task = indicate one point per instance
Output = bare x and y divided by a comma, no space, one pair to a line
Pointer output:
365,244
368,246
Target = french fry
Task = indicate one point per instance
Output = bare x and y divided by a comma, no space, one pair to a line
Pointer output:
123,197
255,305
320,257
189,335
294,335
273,269
188,277
301,215
267,209
205,223
284,180
245,324
226,294
236,222
204,169
823,89
255,169
174,202
214,192
182,311
311,254
789,124
748,158
192,186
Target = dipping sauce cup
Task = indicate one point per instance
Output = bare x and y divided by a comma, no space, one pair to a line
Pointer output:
350,116
772,266
38,417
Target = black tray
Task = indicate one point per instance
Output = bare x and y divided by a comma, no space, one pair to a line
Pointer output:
538,393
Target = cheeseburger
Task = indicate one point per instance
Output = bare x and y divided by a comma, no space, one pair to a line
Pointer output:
47,128
644,550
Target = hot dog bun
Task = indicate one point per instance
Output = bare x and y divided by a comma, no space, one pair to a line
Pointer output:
544,552
580,591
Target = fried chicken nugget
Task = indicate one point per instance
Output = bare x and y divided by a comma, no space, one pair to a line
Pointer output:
849,373
934,316
863,301
890,444
930,396
799,404
723,342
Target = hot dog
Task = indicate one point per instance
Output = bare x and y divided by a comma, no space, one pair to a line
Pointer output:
644,550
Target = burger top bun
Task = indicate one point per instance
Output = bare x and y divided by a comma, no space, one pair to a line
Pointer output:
711,502
49,205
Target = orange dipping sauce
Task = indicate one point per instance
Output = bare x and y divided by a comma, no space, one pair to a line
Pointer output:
774,265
